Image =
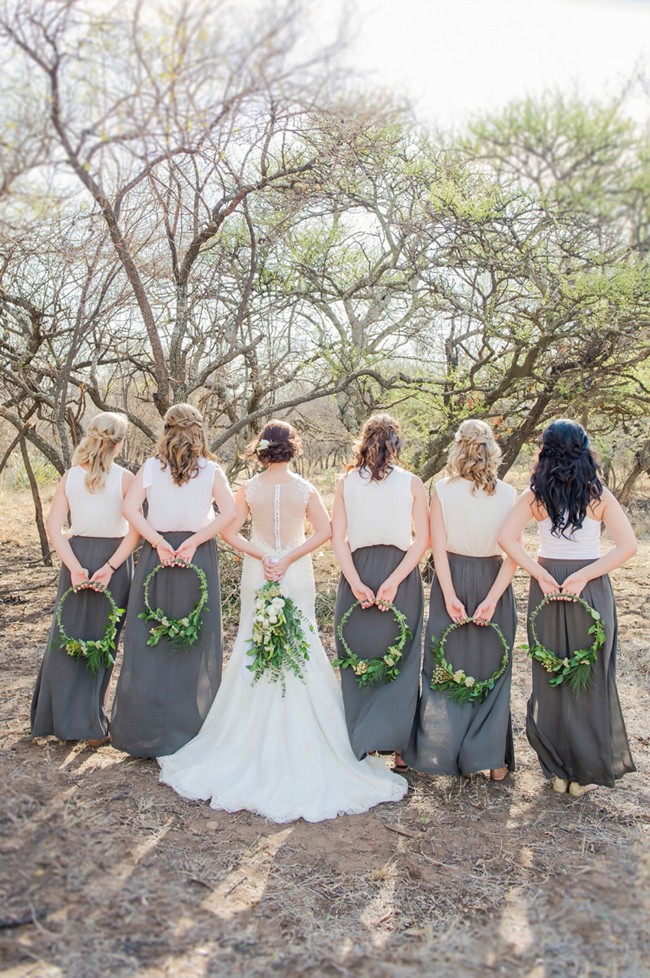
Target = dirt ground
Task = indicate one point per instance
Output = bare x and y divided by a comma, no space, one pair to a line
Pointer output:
106,871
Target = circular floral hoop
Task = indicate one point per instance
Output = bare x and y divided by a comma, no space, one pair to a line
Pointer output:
181,633
383,668
460,687
97,653
575,666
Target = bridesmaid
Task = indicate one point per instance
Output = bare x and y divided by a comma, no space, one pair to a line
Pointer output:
163,695
467,511
379,533
68,700
579,737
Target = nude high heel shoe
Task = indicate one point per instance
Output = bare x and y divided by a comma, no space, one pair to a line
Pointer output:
578,790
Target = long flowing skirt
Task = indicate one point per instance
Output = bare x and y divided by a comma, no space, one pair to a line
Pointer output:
379,718
68,701
579,736
163,695
281,756
450,738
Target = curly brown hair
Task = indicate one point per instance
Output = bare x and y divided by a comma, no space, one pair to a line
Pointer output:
183,443
378,447
282,443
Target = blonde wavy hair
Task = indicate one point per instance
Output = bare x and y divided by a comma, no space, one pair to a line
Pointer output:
378,447
475,455
183,443
96,449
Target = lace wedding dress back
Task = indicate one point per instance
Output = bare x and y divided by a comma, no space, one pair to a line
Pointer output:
278,512
284,757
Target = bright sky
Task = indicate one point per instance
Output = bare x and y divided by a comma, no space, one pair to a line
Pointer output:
458,57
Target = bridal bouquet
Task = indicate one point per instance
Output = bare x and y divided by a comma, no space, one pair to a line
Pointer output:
279,643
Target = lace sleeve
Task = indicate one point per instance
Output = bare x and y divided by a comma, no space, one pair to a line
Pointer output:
250,487
306,489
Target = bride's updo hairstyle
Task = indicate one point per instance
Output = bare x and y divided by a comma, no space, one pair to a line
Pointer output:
97,449
278,441
565,477
378,447
475,455
183,443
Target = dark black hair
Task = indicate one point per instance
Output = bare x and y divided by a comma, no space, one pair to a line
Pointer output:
565,477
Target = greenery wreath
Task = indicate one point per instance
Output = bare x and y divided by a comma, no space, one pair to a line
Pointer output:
460,687
181,633
575,666
278,642
383,668
97,653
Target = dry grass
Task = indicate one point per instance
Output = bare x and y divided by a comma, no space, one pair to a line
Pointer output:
104,870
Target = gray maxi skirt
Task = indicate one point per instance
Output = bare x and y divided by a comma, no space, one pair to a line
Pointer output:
460,739
163,695
379,718
579,736
68,701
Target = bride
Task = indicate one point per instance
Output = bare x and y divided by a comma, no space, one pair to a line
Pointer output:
281,755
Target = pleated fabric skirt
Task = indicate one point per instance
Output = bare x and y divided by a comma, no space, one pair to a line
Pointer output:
578,736
379,718
460,739
163,695
68,701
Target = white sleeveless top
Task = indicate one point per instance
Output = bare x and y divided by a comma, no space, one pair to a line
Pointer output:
172,507
582,544
278,512
473,519
378,512
96,514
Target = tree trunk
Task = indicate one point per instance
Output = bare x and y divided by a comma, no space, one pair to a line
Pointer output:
38,506
641,465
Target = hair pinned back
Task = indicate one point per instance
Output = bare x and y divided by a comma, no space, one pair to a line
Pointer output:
378,447
183,443
475,455
278,441
97,449
565,477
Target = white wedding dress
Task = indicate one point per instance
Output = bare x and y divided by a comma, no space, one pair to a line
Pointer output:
283,757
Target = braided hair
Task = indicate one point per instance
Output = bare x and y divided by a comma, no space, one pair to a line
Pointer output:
565,477
183,443
475,455
96,450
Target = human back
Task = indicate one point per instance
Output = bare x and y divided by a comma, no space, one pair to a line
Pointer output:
278,511
579,737
69,700
378,511
163,695
473,518
380,532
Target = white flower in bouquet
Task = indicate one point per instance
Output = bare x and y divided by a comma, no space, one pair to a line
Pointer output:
278,640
